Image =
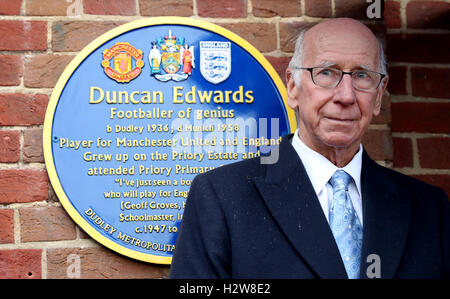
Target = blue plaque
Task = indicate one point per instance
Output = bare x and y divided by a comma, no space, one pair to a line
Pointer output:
141,111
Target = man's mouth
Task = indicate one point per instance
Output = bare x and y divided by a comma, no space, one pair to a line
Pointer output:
340,119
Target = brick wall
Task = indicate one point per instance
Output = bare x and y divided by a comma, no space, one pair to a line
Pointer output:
418,39
40,37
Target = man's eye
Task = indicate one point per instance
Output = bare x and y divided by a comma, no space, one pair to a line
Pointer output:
326,72
361,75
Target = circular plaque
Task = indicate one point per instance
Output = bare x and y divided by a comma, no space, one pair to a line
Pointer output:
142,110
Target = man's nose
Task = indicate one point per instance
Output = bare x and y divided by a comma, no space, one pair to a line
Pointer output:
345,92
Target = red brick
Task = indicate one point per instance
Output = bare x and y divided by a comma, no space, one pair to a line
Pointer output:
32,145
7,225
222,9
100,263
44,70
52,195
279,64
428,14
47,7
84,235
439,180
403,154
397,80
430,82
262,36
379,30
23,35
182,8
9,146
22,109
421,117
270,8
11,66
428,48
434,152
318,8
23,185
20,263
351,9
10,7
46,224
392,17
378,144
110,7
71,36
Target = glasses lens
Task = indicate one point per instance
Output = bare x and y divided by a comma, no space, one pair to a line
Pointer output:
326,77
365,79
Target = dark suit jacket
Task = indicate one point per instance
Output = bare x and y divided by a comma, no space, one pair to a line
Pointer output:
253,220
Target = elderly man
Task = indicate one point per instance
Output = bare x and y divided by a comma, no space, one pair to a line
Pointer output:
324,209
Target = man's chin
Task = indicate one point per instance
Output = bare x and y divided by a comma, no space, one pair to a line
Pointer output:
341,141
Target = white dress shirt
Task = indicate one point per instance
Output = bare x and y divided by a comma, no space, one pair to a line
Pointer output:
320,170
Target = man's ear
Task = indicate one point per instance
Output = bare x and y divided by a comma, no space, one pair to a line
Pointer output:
292,89
379,98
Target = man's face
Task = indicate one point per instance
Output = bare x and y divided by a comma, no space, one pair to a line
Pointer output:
331,118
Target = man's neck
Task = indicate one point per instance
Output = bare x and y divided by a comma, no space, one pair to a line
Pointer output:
339,156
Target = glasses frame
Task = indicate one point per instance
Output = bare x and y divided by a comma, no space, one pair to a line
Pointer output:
310,69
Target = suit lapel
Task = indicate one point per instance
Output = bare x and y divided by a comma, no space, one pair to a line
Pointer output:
386,218
290,197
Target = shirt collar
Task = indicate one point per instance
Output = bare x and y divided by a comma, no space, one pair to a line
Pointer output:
320,169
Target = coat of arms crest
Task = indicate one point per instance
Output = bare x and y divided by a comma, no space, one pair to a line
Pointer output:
171,58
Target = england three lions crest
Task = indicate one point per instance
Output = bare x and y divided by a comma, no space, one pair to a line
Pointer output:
171,58
215,61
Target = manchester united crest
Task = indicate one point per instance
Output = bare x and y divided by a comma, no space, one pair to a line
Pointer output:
122,62
171,58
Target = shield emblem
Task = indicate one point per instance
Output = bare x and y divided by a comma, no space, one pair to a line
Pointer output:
170,62
215,61
122,62
122,54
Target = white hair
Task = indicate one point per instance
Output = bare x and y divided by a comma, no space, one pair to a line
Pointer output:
297,58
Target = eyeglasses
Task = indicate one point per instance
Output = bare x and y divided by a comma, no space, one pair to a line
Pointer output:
327,77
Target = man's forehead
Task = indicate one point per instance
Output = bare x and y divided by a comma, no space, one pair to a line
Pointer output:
342,39
346,25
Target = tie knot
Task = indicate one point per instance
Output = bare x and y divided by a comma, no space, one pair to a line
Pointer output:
340,180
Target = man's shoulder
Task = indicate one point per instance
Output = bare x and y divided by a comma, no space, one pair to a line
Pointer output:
247,168
407,183
234,181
